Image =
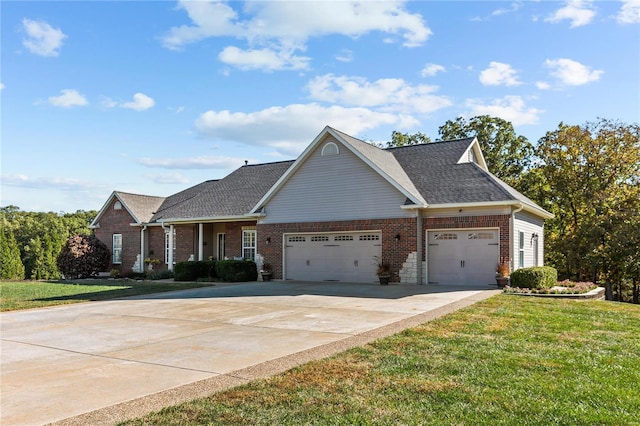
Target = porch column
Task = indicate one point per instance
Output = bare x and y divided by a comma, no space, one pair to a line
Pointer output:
142,248
200,241
170,249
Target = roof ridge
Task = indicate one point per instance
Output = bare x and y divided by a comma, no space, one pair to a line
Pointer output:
429,143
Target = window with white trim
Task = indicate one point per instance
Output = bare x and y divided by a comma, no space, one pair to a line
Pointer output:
116,249
249,244
330,148
166,247
521,249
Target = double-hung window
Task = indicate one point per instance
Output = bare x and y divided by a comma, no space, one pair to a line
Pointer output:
116,249
249,244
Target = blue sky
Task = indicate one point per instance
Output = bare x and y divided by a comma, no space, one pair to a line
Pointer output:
154,97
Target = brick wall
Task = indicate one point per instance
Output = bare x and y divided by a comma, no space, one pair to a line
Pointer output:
118,222
490,221
233,238
394,252
155,245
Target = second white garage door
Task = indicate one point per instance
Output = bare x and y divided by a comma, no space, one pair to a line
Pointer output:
463,257
346,257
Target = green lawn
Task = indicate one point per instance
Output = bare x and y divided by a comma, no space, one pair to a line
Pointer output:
36,294
506,361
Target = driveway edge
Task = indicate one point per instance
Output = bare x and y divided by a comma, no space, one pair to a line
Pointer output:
147,404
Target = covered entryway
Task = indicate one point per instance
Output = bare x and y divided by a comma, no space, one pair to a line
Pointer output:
463,257
346,256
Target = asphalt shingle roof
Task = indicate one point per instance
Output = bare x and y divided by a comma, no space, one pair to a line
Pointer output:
141,206
434,170
234,195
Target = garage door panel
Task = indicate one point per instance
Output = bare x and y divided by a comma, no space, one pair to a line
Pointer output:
346,257
462,257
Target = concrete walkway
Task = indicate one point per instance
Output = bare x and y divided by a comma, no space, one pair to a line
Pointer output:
104,362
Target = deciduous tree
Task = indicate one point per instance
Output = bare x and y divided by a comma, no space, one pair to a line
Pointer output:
506,153
592,173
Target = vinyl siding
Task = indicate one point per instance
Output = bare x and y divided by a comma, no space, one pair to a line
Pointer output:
334,187
529,225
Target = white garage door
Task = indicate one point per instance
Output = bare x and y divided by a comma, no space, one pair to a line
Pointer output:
467,257
347,257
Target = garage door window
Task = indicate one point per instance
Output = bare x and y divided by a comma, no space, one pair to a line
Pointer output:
249,244
343,238
445,236
319,238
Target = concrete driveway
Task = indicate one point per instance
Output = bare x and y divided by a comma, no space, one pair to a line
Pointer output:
103,362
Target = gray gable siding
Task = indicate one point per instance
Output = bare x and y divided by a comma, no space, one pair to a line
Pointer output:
334,187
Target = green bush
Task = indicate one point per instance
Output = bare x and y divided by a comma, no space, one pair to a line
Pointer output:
537,277
236,270
191,271
162,274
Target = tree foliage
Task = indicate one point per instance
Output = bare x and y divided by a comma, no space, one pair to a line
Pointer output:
507,154
11,267
39,237
403,139
592,184
83,256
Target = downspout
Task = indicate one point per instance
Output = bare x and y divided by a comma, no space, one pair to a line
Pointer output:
144,228
512,234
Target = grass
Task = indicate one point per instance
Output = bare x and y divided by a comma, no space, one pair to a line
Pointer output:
37,294
504,361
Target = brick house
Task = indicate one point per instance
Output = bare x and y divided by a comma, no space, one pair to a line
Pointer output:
432,211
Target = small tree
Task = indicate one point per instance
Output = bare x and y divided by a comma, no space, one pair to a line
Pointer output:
11,266
83,256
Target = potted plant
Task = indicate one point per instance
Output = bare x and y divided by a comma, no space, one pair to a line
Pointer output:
266,272
150,262
502,274
383,271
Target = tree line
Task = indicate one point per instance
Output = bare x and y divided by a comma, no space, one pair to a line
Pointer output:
31,241
587,175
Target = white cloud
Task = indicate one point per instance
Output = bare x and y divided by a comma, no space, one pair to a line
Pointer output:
577,11
202,162
499,74
263,59
274,31
543,85
169,178
59,183
571,72
629,12
1,86
140,102
345,55
42,39
387,94
68,99
515,6
430,70
289,129
510,108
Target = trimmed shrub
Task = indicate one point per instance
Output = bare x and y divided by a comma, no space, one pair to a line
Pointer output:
236,270
191,271
162,274
537,277
83,256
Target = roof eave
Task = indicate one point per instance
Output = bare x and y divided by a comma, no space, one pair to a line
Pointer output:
511,203
231,218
